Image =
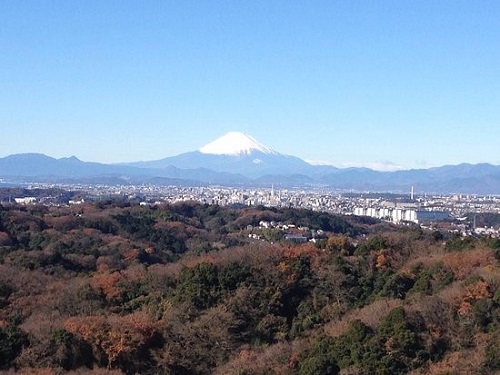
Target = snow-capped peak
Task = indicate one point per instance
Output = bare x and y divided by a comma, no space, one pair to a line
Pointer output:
235,143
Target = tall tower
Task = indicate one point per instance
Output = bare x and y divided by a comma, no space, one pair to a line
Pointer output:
411,193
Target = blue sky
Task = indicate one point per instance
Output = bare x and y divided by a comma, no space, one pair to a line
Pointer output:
379,83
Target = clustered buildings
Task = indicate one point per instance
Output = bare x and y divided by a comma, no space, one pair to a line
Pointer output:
403,214
388,207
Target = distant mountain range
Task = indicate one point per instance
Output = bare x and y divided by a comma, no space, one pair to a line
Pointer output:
237,159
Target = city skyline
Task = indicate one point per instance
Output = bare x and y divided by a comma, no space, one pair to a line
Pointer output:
386,85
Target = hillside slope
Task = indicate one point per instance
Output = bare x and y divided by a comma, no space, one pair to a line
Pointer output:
194,289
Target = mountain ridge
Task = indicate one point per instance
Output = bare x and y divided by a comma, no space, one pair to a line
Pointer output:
250,163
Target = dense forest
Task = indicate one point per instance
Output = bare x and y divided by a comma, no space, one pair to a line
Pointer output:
115,287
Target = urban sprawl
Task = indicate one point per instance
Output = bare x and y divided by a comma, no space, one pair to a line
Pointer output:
457,210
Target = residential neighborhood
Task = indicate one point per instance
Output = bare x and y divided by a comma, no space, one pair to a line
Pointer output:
456,211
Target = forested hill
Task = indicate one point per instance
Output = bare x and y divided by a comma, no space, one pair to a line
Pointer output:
194,289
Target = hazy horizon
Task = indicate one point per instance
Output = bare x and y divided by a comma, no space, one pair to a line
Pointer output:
377,166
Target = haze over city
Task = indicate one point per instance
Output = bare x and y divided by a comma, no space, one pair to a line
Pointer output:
387,85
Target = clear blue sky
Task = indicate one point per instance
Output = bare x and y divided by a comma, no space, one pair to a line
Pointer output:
413,83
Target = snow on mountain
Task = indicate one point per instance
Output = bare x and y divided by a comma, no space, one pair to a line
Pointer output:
235,143
234,153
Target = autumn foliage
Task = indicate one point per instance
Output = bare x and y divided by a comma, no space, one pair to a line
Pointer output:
115,287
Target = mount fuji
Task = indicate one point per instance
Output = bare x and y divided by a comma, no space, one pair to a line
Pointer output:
235,144
237,159
234,152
